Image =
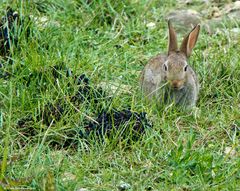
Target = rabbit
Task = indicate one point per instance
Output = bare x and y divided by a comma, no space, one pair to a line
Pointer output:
168,78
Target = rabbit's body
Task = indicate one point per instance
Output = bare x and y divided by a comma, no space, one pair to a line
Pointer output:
168,78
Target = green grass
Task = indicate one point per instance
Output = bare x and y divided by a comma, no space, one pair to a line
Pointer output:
110,42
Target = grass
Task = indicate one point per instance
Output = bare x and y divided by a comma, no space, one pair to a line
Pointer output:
110,42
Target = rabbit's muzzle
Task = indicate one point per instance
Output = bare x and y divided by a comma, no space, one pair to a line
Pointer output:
177,84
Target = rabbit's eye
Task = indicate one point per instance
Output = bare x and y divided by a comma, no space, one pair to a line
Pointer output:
165,67
185,68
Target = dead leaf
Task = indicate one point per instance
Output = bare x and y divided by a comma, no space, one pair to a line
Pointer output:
115,88
68,176
151,25
230,151
49,182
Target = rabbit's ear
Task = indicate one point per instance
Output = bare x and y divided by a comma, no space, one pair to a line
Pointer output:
189,41
172,42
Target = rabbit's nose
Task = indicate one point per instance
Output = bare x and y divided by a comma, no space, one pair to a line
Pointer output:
176,84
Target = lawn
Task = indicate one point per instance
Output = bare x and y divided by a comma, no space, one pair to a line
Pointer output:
41,127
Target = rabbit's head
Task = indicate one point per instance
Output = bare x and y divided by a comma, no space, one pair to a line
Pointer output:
176,65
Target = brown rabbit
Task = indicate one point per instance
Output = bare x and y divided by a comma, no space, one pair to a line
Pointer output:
168,77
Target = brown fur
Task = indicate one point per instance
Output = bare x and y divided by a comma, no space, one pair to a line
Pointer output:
170,69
